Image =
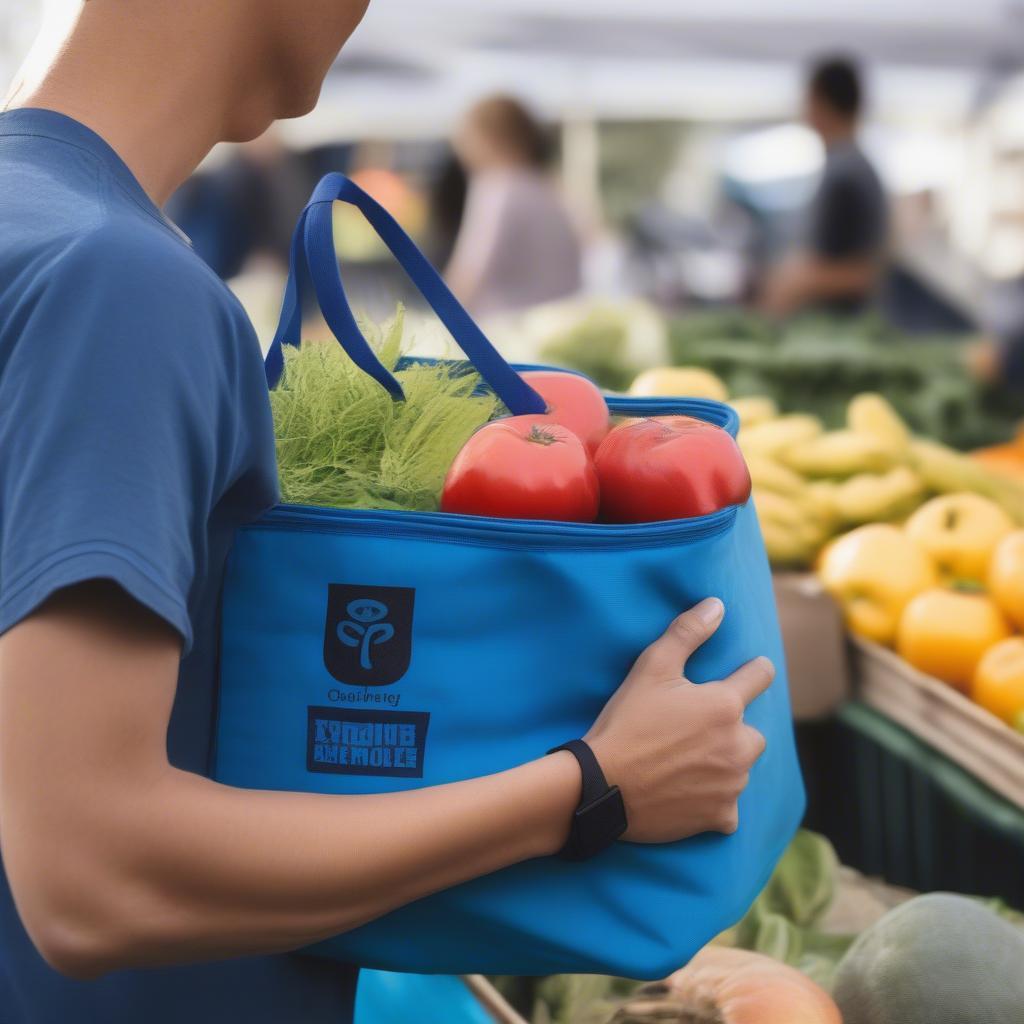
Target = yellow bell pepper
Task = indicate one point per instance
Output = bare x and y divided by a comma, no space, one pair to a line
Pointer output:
960,532
1006,577
679,381
873,572
998,684
945,633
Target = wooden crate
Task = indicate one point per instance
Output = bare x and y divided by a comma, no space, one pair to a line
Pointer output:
815,642
942,717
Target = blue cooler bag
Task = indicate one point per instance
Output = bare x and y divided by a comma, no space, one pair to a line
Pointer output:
372,651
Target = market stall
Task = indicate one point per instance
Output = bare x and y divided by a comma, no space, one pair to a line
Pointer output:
669,428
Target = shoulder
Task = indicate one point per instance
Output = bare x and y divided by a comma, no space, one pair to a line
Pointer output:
140,257
131,282
850,168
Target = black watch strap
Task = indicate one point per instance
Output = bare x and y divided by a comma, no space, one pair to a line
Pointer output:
600,817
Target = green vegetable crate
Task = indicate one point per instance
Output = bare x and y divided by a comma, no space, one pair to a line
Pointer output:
897,808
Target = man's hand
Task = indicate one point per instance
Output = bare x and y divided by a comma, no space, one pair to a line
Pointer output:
680,752
117,860
804,279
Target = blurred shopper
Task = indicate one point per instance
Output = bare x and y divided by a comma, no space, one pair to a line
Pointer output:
517,245
244,208
843,252
998,357
447,205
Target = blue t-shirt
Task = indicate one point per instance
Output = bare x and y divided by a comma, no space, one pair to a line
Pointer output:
135,436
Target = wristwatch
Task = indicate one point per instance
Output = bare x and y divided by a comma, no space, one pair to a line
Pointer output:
601,816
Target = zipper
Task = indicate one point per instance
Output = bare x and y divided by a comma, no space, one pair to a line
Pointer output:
451,528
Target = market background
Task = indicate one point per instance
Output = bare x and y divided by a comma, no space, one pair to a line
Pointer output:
678,147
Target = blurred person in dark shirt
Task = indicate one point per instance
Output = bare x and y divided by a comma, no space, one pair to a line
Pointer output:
244,208
517,245
844,244
998,356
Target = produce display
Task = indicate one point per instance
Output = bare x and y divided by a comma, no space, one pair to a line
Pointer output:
813,364
812,484
919,589
821,945
816,364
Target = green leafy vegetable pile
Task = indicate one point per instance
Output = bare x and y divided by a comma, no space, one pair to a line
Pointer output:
814,364
343,442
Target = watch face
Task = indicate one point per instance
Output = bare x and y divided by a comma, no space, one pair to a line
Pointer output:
600,823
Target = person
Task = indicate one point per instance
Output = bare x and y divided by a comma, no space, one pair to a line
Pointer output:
517,246
135,438
843,251
244,210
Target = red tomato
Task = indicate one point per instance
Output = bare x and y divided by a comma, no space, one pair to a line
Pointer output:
573,402
670,468
517,468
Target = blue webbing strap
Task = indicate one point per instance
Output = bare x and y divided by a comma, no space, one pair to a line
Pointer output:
289,326
315,234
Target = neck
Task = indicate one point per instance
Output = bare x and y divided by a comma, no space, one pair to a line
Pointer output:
839,134
119,73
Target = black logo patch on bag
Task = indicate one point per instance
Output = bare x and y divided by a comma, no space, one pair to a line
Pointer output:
358,742
368,634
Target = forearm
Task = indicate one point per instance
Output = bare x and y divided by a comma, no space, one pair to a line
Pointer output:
806,278
188,869
838,278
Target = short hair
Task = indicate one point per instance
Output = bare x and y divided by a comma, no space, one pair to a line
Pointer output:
836,81
508,122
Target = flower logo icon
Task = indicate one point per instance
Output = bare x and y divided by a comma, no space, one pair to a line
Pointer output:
368,632
365,628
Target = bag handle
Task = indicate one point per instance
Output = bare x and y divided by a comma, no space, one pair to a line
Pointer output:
312,249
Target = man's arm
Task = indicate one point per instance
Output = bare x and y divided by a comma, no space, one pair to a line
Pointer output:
808,278
116,859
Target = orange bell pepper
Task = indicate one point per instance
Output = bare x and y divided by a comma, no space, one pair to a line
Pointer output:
945,633
1006,577
998,684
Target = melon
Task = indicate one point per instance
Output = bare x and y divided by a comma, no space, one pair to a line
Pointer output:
937,959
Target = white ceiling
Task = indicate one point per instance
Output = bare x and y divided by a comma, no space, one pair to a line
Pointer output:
414,64
943,32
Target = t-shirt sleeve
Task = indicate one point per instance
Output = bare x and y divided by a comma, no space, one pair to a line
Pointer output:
117,427
848,218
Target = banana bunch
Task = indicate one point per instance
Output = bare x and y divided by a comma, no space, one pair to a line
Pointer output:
811,484
945,471
792,534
